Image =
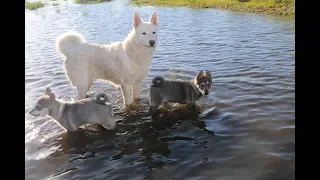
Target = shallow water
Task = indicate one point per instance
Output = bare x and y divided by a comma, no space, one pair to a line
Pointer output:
250,135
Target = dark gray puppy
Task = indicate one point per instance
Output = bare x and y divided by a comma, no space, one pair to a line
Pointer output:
183,92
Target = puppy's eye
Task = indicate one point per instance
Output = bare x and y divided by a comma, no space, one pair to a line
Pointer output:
201,86
144,33
209,85
153,32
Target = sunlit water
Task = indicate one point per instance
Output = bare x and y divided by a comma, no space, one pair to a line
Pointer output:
250,135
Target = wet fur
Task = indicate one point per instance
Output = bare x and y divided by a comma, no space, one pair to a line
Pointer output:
183,92
72,115
124,63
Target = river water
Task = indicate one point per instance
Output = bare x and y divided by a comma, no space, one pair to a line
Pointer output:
250,134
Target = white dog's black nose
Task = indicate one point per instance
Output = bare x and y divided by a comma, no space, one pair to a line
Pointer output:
152,42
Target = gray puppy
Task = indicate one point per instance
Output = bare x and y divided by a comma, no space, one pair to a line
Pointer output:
72,115
183,92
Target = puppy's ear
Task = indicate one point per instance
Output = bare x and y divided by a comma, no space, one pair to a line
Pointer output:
48,91
52,98
199,74
208,73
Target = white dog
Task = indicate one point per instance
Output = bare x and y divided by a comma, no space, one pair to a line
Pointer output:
124,63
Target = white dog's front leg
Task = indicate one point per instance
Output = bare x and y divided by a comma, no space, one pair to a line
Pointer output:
126,95
136,91
82,91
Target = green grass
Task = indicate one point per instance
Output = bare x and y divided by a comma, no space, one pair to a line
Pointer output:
34,5
89,1
277,7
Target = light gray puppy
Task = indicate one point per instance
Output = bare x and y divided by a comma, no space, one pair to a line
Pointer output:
183,92
72,115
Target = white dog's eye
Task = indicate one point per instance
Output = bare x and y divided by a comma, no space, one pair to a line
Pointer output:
154,32
144,33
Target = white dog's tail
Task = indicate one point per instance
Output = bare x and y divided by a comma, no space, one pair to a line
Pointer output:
68,40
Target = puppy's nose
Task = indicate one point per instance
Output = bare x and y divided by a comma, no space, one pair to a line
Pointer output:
152,42
206,93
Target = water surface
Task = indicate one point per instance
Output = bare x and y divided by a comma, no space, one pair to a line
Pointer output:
249,136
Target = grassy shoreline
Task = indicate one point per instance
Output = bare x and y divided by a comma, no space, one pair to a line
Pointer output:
34,5
274,7
89,1
39,4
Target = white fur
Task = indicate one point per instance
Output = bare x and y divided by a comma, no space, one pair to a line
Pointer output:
123,63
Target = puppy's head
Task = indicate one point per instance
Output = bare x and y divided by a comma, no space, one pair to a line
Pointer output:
146,33
43,104
203,82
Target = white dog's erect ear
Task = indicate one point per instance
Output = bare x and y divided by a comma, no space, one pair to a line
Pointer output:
154,18
48,91
52,97
136,20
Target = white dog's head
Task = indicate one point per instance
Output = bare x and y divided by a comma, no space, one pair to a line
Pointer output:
146,33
